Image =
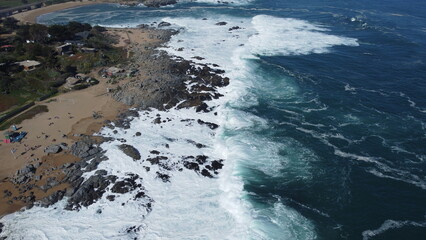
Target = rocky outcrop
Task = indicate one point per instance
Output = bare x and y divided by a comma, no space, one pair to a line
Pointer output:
25,174
158,3
84,148
166,85
126,185
56,148
90,191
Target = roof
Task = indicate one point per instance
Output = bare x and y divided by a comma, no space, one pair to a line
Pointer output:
65,45
28,63
114,70
72,80
6,46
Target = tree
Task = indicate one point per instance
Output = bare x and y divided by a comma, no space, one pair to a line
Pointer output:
76,27
38,33
5,83
10,24
59,33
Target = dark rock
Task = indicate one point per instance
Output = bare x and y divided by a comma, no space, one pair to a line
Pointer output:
130,151
81,148
198,58
52,199
1,227
95,162
101,172
51,182
206,173
217,164
221,23
157,120
164,24
69,192
212,126
138,134
7,193
201,159
164,177
156,160
111,197
155,152
202,108
198,145
191,165
126,185
158,3
55,148
234,28
139,195
24,175
30,168
89,191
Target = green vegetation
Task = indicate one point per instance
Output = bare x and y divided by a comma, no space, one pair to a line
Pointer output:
15,3
26,115
87,47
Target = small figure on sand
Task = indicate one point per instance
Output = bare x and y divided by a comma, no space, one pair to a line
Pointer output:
14,128
13,150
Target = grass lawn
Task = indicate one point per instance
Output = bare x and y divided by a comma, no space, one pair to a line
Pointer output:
26,115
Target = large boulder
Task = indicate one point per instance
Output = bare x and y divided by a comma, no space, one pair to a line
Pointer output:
130,151
83,149
55,148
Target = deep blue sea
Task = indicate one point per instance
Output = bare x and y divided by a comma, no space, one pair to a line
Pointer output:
325,121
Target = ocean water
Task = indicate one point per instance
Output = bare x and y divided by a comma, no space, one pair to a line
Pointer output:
322,128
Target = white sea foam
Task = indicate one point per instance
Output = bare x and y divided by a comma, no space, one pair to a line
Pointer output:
191,206
232,2
391,224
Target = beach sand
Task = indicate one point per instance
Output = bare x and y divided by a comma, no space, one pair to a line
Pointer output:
31,16
69,114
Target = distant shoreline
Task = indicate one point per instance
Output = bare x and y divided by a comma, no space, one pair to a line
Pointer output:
30,17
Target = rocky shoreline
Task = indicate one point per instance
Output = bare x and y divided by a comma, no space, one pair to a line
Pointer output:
164,86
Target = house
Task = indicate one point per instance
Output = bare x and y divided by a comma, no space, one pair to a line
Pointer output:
71,81
82,77
28,65
86,49
7,48
113,71
77,43
64,49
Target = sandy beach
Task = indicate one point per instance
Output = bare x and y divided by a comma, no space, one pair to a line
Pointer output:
31,16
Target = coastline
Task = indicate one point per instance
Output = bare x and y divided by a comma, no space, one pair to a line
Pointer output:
30,17
37,178
70,117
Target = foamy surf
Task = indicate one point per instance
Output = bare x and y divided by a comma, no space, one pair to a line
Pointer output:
190,206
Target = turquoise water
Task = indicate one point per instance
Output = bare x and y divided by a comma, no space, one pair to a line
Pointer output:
335,147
